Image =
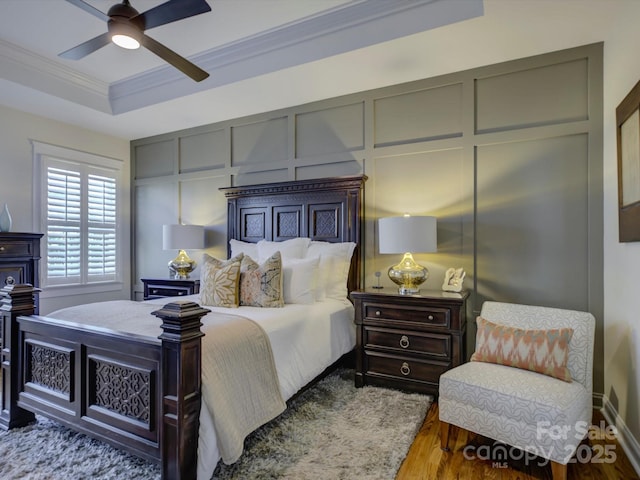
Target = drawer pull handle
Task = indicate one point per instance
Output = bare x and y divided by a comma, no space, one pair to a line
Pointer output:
430,317
180,293
404,341
10,280
404,369
154,291
377,313
1,249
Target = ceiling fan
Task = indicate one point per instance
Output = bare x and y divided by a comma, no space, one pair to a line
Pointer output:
126,27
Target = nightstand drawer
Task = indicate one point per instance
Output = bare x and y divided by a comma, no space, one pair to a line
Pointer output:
16,249
168,291
169,287
437,317
404,368
427,344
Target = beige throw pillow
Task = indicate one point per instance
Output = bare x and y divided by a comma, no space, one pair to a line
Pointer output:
219,281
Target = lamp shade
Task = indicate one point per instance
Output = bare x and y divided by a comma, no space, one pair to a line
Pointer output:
407,234
181,237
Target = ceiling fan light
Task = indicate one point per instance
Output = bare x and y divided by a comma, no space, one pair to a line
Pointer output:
124,33
125,41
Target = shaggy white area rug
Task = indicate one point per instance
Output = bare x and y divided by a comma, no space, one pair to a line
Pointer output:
46,450
332,431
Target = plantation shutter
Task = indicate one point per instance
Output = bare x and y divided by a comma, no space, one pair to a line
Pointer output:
64,242
101,229
81,224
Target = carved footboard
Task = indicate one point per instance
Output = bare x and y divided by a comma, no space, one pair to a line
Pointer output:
136,393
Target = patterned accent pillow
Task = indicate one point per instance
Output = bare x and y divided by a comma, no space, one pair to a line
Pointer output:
542,351
219,281
261,285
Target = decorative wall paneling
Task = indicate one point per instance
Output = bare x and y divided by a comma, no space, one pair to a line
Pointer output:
260,142
425,115
507,156
154,160
202,151
542,95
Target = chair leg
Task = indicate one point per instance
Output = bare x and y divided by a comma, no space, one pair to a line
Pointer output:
558,471
444,436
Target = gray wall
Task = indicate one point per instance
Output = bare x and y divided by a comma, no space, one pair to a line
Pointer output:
508,157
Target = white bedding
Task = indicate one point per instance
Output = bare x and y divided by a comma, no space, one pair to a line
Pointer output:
305,339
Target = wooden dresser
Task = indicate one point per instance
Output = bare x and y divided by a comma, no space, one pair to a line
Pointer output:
408,341
20,259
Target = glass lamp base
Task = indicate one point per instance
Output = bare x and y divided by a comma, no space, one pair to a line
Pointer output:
408,275
402,290
182,266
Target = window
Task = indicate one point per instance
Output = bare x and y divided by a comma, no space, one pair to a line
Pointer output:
78,211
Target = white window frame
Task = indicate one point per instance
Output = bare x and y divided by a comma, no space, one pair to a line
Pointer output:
46,155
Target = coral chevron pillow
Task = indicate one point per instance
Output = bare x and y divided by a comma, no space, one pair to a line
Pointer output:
542,351
219,281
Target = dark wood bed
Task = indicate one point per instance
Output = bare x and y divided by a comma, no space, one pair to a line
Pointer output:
142,394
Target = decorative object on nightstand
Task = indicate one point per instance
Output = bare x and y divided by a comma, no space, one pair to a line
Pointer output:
182,237
408,341
169,287
377,286
5,219
407,235
453,279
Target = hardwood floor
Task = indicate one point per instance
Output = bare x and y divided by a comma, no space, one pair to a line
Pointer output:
425,460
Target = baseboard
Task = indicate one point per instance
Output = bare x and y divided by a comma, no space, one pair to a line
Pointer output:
625,438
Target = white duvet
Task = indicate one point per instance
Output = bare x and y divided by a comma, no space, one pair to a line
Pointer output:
305,340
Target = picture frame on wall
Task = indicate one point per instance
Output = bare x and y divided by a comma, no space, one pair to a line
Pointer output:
628,140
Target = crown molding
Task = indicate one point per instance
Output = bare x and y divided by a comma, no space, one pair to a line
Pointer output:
331,32
27,68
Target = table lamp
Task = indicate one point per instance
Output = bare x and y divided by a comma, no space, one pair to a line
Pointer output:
182,237
407,235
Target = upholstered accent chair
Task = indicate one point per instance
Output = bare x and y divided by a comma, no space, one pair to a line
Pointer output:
534,412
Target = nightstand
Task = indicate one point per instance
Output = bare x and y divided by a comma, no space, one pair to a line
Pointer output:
169,287
408,341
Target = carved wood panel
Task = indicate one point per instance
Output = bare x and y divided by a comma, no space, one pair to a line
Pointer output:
325,221
253,223
50,368
287,222
123,390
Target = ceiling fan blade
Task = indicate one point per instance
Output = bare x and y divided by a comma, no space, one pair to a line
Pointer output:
84,49
172,11
171,57
89,9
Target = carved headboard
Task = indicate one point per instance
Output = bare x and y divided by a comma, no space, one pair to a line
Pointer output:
325,209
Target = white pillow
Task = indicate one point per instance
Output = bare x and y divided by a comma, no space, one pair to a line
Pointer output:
238,247
300,280
289,249
333,272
